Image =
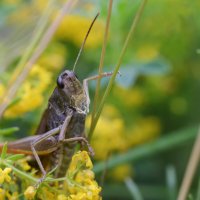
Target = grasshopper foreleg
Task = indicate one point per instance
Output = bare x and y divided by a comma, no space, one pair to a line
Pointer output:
65,125
85,84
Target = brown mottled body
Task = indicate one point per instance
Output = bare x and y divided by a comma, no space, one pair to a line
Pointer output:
68,97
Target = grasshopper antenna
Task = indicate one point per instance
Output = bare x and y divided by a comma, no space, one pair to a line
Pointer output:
81,49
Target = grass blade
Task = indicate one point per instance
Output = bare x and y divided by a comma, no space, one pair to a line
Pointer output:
112,79
8,131
171,180
133,188
38,51
96,97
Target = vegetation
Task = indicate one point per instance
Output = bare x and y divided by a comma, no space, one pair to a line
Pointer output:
143,121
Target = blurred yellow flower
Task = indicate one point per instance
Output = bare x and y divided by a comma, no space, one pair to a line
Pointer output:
23,164
143,130
4,177
2,90
120,172
83,187
62,197
74,28
31,93
13,196
109,133
129,97
2,194
146,53
54,57
45,193
30,193
108,137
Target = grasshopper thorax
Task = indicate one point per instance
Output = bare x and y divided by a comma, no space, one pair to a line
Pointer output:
69,85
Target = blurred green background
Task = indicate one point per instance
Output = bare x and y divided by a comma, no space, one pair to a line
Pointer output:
154,100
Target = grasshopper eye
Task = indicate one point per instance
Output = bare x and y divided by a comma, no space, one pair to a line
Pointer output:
60,83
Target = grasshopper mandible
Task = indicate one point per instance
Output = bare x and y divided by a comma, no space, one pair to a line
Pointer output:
62,124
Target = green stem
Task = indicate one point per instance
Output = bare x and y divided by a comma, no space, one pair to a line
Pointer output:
160,145
112,79
20,173
96,97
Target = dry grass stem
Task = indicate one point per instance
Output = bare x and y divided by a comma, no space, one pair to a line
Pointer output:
41,47
190,170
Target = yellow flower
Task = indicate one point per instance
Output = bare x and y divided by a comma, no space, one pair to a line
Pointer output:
54,57
147,53
24,164
82,186
2,90
45,193
2,194
109,133
135,96
31,93
30,193
4,175
13,196
75,27
62,197
121,172
144,130
82,158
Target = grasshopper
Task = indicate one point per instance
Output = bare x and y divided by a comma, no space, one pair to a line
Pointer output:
62,124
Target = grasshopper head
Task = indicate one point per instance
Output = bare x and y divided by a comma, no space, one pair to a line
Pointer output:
68,82
69,85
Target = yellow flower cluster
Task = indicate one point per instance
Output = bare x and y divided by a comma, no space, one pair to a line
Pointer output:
120,172
84,187
135,96
111,127
2,90
30,192
108,137
4,175
147,52
5,178
144,130
111,136
81,184
54,57
31,93
74,28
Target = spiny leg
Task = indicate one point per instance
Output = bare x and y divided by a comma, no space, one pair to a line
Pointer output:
36,142
46,136
80,139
